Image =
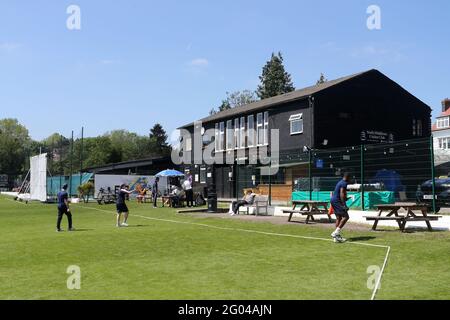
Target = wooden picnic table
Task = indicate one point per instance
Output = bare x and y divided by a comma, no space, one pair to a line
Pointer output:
414,212
309,209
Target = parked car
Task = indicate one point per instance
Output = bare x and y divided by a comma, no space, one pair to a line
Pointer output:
442,193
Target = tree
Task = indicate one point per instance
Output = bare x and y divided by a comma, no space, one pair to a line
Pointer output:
322,79
57,148
15,147
158,141
240,98
274,79
236,99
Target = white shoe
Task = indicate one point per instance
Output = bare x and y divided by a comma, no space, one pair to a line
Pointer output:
232,214
124,224
118,225
339,239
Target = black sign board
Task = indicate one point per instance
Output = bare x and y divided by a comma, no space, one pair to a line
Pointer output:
377,136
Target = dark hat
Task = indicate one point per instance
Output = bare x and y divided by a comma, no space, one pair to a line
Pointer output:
65,187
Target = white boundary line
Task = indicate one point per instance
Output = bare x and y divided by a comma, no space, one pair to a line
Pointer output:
269,234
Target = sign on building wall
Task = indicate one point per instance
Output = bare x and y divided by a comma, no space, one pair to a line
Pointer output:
376,136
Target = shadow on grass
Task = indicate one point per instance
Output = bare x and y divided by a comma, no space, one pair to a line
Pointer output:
359,239
409,230
314,222
138,226
423,230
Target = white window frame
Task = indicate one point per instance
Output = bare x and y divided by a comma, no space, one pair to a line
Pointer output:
216,138
444,143
443,123
220,137
229,135
259,129
237,136
242,134
266,128
251,131
296,118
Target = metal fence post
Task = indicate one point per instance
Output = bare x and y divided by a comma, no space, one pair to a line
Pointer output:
362,179
433,173
270,184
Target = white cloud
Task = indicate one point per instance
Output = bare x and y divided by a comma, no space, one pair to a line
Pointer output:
200,63
108,61
386,52
9,46
381,52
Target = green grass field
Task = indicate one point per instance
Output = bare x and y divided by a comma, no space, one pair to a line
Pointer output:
158,259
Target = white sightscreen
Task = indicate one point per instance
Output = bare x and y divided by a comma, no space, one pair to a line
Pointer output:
38,177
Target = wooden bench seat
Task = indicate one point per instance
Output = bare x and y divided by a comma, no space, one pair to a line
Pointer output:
306,212
428,218
384,218
310,214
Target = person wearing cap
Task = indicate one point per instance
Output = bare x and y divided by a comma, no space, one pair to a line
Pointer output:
64,209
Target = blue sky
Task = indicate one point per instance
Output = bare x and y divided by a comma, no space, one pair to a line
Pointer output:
136,62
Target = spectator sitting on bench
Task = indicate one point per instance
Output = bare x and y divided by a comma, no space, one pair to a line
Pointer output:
177,196
248,199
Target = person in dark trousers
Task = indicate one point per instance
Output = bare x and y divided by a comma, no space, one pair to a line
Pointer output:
155,191
339,203
122,206
249,198
187,187
63,209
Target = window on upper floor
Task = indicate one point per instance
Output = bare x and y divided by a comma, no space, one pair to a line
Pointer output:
266,128
259,129
296,121
443,123
237,140
230,135
220,137
251,131
417,128
242,134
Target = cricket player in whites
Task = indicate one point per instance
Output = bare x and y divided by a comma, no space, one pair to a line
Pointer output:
339,203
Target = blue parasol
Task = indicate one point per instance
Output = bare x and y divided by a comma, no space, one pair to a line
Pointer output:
170,173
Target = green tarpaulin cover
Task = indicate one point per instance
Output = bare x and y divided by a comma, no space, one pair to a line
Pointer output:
371,199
